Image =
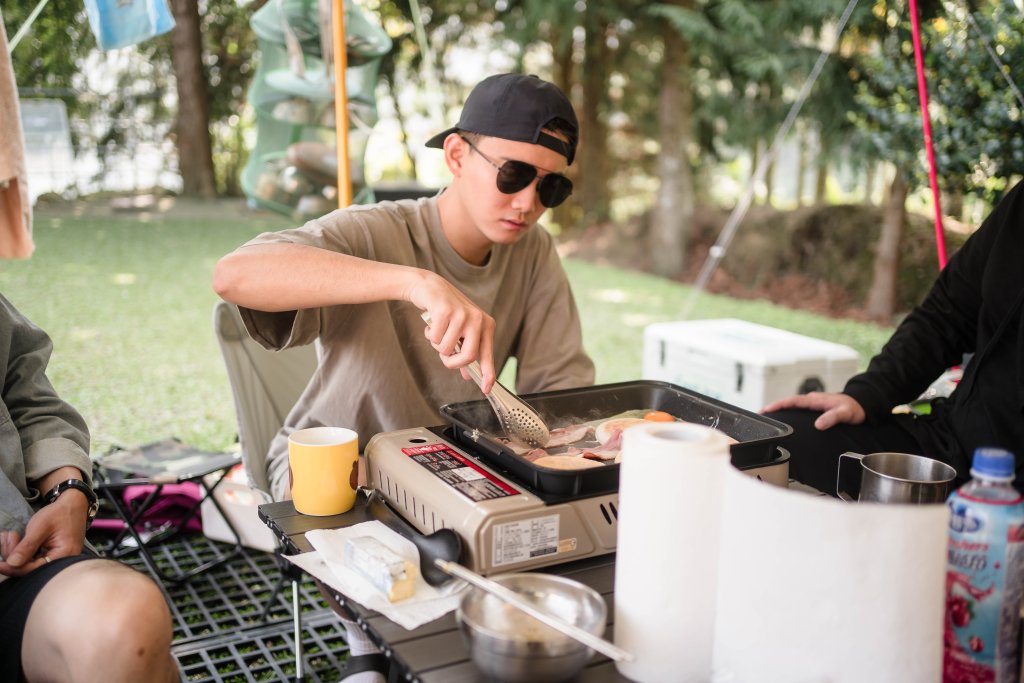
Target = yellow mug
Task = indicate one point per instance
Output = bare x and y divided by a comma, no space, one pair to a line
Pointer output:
324,466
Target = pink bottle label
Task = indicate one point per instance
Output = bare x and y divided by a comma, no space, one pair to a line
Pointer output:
983,592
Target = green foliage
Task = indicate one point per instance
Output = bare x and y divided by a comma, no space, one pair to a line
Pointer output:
550,21
59,59
230,53
692,24
889,116
976,118
979,133
50,59
748,60
51,56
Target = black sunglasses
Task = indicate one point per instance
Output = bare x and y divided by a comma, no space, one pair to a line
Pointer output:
513,176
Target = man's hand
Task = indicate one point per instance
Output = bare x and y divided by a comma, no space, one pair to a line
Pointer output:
459,330
835,408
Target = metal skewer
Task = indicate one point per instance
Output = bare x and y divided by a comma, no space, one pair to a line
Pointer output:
510,597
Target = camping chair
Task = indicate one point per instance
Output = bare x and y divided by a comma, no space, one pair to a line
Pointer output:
265,386
149,485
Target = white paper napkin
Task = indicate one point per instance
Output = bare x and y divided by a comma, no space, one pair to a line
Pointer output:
327,563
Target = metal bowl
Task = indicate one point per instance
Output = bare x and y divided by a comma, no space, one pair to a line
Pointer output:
510,646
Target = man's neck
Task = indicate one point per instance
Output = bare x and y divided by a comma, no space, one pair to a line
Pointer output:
459,230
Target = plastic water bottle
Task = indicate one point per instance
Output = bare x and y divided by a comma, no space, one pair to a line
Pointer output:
985,574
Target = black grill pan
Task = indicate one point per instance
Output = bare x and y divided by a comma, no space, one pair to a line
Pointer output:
475,426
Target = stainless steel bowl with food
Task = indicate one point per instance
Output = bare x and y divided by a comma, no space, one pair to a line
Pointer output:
510,646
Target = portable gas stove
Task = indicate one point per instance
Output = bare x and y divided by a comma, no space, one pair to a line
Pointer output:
504,524
513,516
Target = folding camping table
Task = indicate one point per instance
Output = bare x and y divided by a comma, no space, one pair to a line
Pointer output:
434,652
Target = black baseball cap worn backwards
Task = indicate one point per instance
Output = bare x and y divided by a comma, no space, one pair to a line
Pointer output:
517,107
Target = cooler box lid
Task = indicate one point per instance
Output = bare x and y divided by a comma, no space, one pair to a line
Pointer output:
750,343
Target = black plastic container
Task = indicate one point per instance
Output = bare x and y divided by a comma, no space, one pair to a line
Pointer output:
475,425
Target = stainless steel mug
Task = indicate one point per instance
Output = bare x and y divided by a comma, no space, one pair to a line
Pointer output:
899,478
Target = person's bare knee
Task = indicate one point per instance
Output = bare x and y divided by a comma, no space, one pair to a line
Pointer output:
138,628
99,621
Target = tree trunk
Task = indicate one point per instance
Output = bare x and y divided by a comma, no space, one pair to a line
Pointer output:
566,214
403,132
673,211
593,194
563,67
870,173
881,300
821,181
755,159
953,203
235,159
195,154
801,165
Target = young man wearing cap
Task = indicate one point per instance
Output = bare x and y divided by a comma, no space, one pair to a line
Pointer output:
358,279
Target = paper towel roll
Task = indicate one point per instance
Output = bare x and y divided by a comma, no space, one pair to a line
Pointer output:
814,589
670,485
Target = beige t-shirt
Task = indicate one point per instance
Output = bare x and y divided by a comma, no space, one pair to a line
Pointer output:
377,372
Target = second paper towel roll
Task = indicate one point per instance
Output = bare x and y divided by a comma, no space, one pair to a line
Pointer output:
670,486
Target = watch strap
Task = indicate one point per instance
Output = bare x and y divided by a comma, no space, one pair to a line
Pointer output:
61,487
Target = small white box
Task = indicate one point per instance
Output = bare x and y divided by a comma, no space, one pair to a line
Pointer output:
239,503
742,363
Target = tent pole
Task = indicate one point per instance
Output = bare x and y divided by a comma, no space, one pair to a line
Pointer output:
341,103
922,92
26,26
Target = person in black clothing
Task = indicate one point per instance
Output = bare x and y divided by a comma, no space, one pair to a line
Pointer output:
974,307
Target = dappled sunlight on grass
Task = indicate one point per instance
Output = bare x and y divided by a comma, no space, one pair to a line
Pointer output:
80,334
612,296
124,279
638,320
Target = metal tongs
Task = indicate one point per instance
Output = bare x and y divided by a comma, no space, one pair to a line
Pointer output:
521,423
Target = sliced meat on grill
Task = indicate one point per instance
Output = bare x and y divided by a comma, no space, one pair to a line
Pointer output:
534,453
563,436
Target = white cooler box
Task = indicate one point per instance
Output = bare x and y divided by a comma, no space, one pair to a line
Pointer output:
240,503
742,363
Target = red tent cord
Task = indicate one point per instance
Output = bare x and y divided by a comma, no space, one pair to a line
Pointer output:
922,91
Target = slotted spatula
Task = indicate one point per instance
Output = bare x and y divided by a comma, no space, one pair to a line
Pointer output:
521,423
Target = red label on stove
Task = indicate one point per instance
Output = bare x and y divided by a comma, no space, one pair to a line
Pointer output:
460,472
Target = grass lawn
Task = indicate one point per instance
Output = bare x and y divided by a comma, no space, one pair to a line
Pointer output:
128,302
